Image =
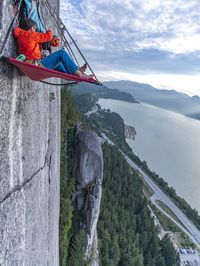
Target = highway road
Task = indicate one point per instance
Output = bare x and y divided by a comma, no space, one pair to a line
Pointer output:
189,228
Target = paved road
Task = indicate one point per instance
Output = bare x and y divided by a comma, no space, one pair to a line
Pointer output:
191,231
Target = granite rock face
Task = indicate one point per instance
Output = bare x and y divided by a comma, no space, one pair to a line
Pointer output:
88,171
29,160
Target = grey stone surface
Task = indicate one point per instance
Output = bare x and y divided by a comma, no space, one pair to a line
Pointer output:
88,171
95,258
29,160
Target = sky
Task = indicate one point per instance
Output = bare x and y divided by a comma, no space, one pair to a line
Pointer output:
149,41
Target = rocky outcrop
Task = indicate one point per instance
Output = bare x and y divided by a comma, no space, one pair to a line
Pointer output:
29,160
88,171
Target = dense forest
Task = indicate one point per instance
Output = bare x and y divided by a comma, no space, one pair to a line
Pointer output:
84,102
113,126
68,114
126,229
71,239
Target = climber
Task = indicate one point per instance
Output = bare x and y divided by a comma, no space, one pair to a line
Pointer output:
28,41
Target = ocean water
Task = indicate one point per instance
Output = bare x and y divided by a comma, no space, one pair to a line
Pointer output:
168,142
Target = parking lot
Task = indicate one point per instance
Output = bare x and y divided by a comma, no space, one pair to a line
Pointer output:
189,257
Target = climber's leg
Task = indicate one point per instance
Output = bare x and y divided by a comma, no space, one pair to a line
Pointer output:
53,60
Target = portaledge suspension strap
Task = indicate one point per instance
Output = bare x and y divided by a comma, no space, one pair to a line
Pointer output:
65,29
66,43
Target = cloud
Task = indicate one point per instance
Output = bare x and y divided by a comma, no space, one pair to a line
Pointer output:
138,36
157,24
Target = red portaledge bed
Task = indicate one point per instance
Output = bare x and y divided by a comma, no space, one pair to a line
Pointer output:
40,73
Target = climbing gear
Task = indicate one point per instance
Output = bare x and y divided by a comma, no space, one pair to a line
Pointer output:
31,9
55,42
34,62
47,46
21,57
65,29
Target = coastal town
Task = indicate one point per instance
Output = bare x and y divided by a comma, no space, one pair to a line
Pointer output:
188,256
130,132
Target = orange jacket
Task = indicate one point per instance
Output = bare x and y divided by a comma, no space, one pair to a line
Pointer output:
28,42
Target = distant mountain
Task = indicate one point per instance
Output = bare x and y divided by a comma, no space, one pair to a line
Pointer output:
167,99
102,92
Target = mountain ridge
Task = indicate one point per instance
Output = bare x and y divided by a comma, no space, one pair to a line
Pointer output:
103,92
166,99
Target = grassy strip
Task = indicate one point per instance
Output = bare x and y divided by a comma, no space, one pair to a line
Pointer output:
170,212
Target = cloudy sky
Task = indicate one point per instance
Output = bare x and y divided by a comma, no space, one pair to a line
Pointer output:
150,41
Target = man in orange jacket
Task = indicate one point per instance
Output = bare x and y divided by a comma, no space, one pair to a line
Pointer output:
29,42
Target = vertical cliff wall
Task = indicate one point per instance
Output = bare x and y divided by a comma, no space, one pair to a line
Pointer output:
29,159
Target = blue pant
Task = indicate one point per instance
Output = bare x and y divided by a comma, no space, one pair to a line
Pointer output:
60,60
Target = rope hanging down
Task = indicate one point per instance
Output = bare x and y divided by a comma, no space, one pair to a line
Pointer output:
10,27
61,84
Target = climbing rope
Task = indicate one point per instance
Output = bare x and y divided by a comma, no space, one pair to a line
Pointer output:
31,9
61,84
11,26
